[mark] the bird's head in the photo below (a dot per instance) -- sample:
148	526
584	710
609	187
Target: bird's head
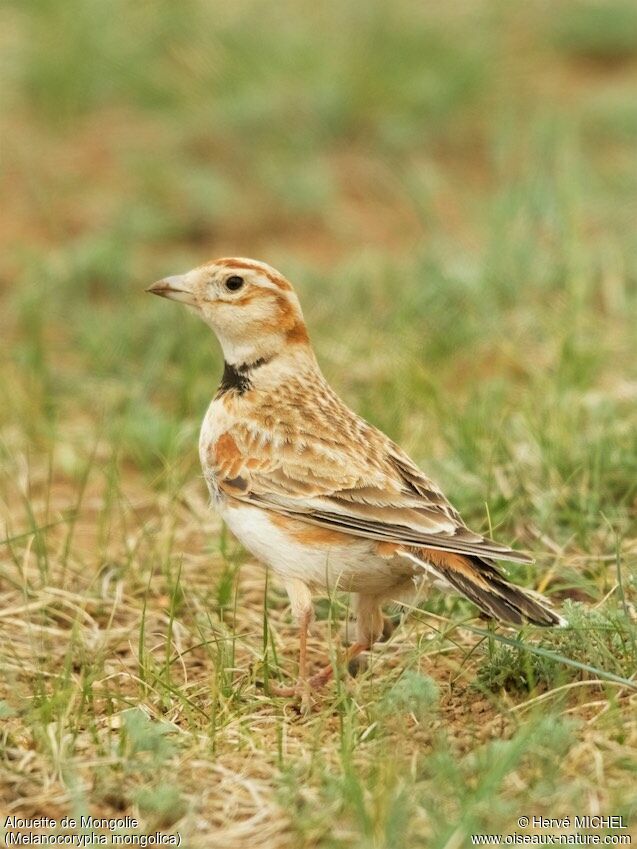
252	309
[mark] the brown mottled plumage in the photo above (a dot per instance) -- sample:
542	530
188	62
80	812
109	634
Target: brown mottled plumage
310	488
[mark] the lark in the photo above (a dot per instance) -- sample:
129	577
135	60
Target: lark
312	490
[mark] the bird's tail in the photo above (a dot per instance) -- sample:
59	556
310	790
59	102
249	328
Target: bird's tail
482	582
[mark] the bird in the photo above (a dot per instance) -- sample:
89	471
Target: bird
323	498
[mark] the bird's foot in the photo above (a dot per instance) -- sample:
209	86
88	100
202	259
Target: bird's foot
284	692
304	687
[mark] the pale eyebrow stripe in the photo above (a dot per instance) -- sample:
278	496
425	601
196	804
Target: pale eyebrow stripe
276	279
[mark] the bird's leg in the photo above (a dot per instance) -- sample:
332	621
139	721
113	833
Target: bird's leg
304	628
303	684
369	628
301	602
301	687
321	678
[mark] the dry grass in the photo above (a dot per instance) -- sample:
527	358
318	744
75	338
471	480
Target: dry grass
134	655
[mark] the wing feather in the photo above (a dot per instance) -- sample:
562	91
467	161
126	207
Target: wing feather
319	462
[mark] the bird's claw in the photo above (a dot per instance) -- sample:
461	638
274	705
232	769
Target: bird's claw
304	688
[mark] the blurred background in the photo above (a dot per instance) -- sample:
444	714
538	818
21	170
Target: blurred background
452	189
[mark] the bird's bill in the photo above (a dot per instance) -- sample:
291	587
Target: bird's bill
175	288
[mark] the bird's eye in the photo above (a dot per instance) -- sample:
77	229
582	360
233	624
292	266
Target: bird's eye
234	283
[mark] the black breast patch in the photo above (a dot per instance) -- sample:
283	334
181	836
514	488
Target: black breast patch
237	378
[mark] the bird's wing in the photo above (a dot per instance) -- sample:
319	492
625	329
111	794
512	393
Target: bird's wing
354	480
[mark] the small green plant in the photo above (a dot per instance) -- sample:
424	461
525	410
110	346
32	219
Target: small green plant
412	693
163	803
144	736
603	640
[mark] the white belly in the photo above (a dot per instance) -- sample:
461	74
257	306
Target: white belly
325	567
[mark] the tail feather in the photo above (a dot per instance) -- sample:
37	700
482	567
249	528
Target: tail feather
481	582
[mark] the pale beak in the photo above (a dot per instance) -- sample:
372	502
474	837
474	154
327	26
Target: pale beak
175	288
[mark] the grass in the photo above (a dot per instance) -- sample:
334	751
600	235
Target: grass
451	188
